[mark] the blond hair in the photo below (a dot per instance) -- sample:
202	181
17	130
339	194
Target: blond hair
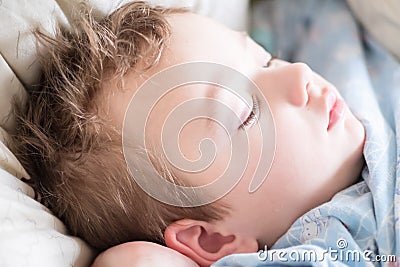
73	155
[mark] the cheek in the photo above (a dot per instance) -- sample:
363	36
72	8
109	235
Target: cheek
304	172
302	160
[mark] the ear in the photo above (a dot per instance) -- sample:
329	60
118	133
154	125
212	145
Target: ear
204	243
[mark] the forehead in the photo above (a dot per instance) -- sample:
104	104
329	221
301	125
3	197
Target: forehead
197	38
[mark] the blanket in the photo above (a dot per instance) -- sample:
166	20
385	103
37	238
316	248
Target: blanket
360	226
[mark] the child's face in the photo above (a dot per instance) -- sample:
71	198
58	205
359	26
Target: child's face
311	162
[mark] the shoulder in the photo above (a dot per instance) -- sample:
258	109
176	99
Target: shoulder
142	254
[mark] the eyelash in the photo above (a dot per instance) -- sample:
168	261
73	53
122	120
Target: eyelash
250	119
252	116
268	64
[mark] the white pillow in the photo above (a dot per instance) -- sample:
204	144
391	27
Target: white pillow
10	87
30	234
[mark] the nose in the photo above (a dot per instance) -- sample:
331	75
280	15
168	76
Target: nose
294	81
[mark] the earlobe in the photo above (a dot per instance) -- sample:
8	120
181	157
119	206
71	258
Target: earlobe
203	243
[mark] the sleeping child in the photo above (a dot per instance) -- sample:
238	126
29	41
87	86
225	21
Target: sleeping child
84	139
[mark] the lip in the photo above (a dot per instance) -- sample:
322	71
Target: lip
336	109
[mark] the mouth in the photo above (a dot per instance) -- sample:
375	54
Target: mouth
336	107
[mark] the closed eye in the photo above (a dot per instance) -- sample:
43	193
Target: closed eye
253	114
269	62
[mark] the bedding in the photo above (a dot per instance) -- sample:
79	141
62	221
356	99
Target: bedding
360	226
